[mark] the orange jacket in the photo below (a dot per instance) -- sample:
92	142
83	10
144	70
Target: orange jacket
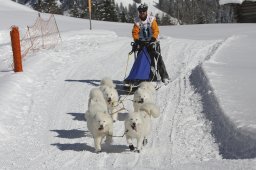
136	30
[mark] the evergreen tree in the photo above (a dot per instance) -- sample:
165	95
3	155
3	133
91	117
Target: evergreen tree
94	11
107	11
132	13
99	10
165	19
123	17
123	13
50	6
77	10
38	6
110	12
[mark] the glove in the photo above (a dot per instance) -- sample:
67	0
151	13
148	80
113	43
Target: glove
137	42
135	45
153	39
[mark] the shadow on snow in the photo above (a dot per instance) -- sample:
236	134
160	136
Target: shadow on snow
96	83
71	134
84	147
78	116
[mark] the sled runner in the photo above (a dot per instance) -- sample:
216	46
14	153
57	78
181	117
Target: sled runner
143	69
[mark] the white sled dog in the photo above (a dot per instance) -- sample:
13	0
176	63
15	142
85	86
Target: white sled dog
100	125
99	122
111	97
107	82
142	95
138	125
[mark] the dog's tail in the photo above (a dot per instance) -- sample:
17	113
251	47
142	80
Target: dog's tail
151	109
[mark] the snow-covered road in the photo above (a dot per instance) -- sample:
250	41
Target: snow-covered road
50	132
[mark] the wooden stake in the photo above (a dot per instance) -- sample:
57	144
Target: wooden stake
15	38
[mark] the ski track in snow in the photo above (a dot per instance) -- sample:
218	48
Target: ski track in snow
181	134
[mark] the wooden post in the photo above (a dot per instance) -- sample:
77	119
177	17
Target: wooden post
15	38
90	12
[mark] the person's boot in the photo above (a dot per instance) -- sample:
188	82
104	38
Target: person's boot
166	81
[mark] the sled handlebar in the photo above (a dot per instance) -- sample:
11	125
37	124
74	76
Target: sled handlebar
141	44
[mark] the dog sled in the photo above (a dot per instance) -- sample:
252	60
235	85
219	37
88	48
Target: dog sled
143	68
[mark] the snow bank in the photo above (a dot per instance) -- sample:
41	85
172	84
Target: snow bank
225	83
234	143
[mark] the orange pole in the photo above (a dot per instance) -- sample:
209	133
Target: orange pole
15	38
90	12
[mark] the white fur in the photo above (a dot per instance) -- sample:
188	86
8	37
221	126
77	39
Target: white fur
107	82
147	86
138	124
100	125
142	96
97	101
151	109
111	97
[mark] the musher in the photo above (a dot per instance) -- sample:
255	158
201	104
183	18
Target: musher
146	31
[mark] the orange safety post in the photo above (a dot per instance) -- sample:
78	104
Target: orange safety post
15	38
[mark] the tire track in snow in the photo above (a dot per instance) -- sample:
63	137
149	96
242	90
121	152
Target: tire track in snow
181	82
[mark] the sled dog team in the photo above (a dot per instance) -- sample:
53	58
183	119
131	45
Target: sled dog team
103	108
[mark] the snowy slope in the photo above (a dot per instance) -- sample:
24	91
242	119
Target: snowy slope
41	115
8	7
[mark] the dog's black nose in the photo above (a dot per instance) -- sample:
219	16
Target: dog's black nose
101	127
134	126
141	100
109	99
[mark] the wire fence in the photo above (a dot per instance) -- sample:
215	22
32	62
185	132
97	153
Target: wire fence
44	34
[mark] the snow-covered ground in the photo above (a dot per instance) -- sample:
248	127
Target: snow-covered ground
207	112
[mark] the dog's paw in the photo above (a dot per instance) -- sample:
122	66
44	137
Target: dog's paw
145	141
98	151
131	147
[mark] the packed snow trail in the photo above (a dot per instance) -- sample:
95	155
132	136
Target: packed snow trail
53	134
